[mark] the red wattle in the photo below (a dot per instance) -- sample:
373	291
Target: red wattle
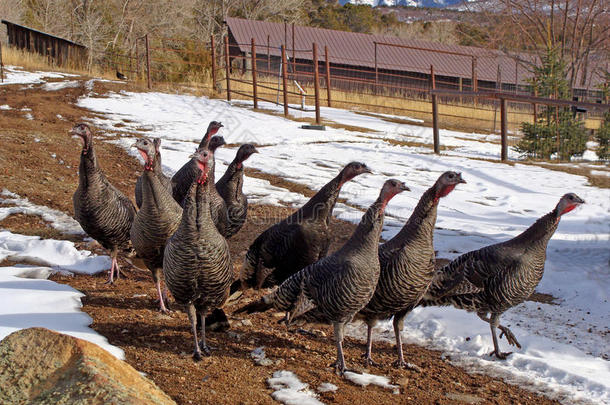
446	190
568	208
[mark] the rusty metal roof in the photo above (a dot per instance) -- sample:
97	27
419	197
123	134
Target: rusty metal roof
356	49
43	33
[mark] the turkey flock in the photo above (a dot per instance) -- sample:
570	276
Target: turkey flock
182	224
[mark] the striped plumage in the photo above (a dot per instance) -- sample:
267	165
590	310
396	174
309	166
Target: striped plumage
158	217
229	187
101	209
297	241
407	265
218	208
335	288
495	278
184	177
196	264
157	170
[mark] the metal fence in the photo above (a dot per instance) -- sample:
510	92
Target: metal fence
305	79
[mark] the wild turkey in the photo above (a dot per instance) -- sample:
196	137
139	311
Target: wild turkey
407	265
120	76
101	209
196	264
184	177
498	277
297	241
218	208
335	288
229	187
157	169
157	219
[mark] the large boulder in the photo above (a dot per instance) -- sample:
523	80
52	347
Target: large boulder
39	366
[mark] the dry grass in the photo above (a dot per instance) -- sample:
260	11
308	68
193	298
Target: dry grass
34	61
465	115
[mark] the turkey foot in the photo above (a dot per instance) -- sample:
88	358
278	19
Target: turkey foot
406	365
510	337
206	349
196	355
500	355
368	361
340	368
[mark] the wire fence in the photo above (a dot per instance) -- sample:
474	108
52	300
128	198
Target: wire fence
310	79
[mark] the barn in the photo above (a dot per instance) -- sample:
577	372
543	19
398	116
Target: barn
62	51
376	60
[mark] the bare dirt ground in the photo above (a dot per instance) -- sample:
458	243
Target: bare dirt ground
38	160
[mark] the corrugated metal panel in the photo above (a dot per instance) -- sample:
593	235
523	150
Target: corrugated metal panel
358	50
43	33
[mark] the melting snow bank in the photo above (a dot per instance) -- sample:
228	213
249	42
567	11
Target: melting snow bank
27	299
16	75
557	370
290	390
60	221
58	254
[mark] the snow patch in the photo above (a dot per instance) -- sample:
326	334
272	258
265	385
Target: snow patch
5	107
54	86
28	300
327	387
290	390
365	379
58	220
58	254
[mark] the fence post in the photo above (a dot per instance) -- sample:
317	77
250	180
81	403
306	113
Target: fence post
376	70
503	129
1	65
535	107
147	62
137	58
327	74
213	51
227	68
284	80
316	79
434	112
254	95
473	83
294	60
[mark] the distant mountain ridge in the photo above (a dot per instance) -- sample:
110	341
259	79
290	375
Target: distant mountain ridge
412	3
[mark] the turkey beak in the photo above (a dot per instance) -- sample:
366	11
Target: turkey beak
460	179
255	150
367	170
403	187
135	145
580	200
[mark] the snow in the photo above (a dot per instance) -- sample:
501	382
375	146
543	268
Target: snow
14	204
327	387
16	75
290	390
54	86
28	300
600	173
60	255
365	379
5	107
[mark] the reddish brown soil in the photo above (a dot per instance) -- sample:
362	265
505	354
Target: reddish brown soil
161	345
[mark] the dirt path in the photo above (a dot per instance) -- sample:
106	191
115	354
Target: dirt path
38	160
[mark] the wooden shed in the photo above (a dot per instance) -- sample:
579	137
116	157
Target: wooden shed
62	51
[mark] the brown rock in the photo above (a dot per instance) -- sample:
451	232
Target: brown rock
39	366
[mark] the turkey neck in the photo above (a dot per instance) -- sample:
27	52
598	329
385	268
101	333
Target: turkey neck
321	205
197	217
157	164
233	179
88	168
365	239
536	237
420	226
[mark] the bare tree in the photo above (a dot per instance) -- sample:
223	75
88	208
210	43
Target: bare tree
578	29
